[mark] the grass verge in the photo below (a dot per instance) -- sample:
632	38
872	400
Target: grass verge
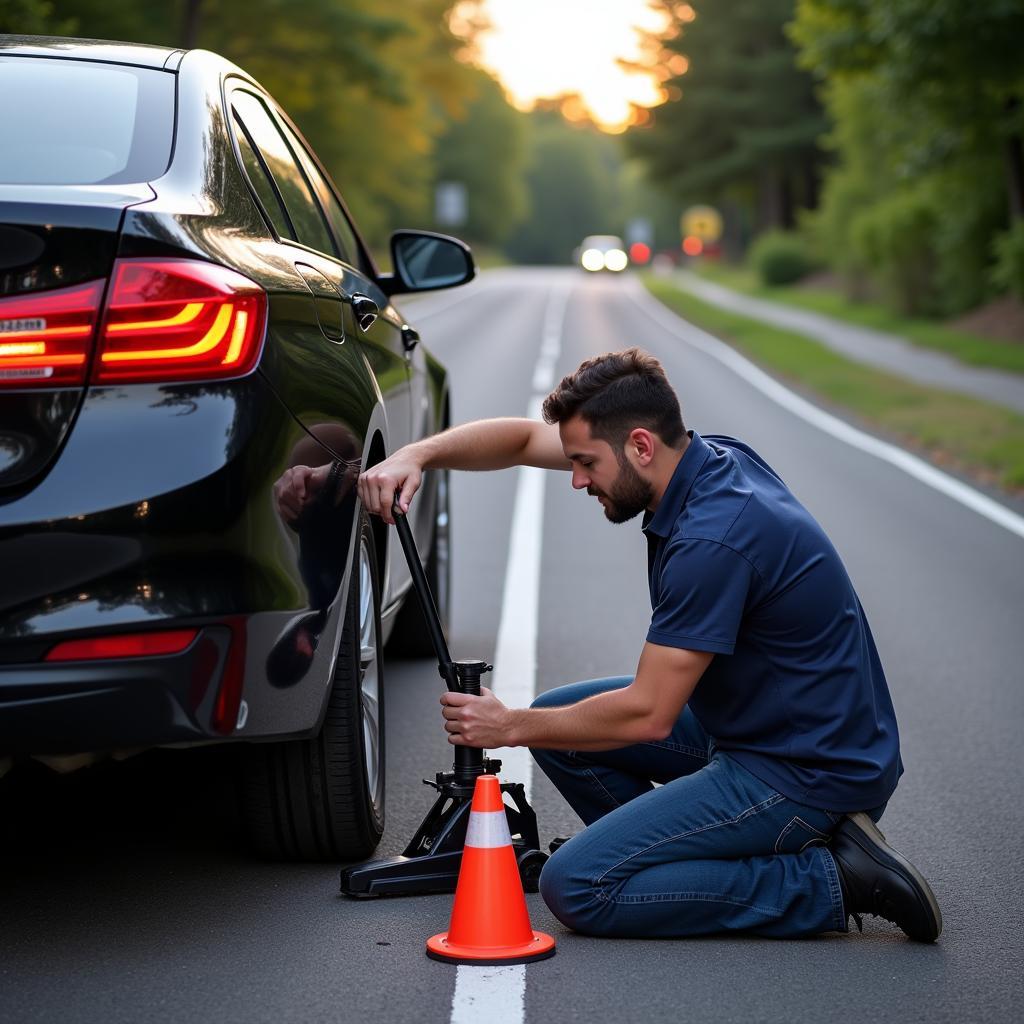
980	438
968	348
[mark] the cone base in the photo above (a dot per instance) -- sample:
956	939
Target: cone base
540	948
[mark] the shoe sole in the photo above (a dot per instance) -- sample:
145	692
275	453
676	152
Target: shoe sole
881	847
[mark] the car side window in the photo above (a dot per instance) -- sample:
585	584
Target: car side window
343	231
264	185
303	212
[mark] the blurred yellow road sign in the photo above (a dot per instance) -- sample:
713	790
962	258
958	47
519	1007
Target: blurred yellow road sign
703	222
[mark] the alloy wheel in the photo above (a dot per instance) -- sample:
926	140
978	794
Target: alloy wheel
369	678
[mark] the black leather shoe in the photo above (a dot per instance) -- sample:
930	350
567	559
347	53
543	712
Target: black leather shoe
878	880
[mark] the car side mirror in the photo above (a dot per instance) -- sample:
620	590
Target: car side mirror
425	261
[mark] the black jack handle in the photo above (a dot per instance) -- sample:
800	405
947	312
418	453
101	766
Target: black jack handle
431	860
445	665
460	676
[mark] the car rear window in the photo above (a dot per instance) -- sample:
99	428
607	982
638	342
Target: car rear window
73	122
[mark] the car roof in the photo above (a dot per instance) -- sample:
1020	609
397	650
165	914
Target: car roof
107	50
612	241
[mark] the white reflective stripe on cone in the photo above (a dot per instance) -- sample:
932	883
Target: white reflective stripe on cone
488	829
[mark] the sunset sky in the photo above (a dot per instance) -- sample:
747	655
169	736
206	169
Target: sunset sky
542	48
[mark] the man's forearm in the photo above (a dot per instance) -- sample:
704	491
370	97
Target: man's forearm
602	722
483	444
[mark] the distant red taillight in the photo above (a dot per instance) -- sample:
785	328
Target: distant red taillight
178	320
46	338
126	645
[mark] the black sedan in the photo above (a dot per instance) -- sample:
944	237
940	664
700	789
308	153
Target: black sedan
198	355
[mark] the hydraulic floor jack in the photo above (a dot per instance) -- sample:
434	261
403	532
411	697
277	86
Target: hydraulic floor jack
430	862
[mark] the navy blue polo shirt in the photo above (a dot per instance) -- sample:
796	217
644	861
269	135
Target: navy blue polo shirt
795	692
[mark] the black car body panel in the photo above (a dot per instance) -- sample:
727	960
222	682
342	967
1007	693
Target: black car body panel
107	51
151	505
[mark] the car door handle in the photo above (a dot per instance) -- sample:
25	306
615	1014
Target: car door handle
365	310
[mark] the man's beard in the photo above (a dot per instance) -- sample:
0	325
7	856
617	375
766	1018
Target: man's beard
629	495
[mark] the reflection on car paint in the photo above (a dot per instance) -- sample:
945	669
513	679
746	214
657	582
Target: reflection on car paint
326	502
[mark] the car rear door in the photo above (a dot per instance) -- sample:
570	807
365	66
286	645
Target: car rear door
325	253
389	343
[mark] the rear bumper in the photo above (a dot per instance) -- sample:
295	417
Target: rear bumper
245	677
76	707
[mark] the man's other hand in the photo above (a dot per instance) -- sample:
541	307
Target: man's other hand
473	721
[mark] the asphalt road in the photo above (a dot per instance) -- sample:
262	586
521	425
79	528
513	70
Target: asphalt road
124	895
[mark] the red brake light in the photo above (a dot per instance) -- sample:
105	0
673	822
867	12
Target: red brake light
639	252
46	337
127	645
179	320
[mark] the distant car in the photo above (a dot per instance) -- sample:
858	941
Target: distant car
603	252
187	316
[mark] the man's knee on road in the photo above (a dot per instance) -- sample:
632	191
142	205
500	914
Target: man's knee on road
570	895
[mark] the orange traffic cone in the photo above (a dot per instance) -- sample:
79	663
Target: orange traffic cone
490	923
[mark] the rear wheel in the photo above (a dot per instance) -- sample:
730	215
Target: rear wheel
323	798
411	638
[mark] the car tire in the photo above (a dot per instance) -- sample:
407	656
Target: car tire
322	799
410	637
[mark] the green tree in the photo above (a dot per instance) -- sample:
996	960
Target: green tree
32	17
485	150
573	184
925	96
954	66
741	120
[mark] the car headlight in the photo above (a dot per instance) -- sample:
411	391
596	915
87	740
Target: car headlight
615	259
592	259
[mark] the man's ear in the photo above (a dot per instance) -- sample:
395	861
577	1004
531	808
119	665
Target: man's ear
640	446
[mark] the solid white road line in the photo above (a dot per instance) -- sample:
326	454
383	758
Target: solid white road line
497	995
489	995
839	429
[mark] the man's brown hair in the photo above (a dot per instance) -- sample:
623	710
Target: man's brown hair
616	393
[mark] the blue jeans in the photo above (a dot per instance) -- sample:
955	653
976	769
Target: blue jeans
712	849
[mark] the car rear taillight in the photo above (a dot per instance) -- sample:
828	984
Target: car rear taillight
46	337
165	320
125	645
179	320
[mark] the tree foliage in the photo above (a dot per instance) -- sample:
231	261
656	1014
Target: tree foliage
32	17
485	150
953	70
573	183
740	116
926	100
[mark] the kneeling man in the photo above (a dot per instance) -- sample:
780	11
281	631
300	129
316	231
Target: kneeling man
759	704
